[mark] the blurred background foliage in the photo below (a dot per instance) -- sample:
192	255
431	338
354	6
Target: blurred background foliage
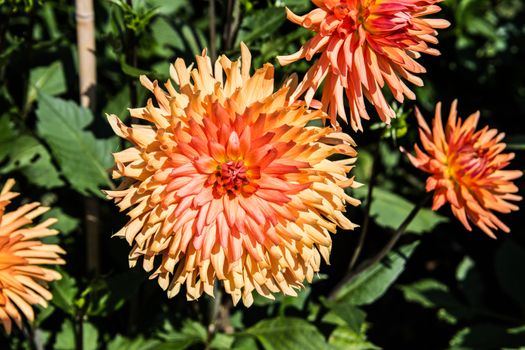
441	287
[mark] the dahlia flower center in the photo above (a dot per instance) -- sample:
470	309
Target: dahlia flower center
354	17
232	177
468	163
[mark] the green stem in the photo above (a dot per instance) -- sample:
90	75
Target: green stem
30	335
383	252
231	24
79	331
213	315
213	35
395	237
366	220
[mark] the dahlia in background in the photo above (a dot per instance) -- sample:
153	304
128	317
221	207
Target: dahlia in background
22	279
363	45
466	168
230	181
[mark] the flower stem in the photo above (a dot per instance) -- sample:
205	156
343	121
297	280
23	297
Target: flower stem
213	314
78	326
395	237
211	13
366	220
231	24
383	252
30	336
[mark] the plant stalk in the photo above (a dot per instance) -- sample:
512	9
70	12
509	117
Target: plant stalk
29	333
132	60
85	17
213	34
78	326
231	25
383	252
366	220
213	315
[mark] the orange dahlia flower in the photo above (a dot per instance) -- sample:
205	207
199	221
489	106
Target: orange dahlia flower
466	168
229	181
363	45
22	279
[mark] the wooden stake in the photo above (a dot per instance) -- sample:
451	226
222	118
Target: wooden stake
86	52
87	69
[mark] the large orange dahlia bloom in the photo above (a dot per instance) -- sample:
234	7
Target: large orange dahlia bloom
363	45
230	182
466	168
22	279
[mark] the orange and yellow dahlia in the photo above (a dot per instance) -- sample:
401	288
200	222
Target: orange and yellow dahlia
363	45
230	182
466	168
22	279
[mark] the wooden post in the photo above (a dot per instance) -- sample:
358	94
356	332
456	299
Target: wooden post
87	71
86	52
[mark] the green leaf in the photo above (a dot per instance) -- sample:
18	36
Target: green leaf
192	333
284	301
343	338
43	314
363	169
486	336
27	155
30	157
470	281
7	135
390	210
66	224
430	293
222	341
288	333
509	256
419	292
244	343
49	80
66	337
262	23
344	314
122	343
130	70
118	104
297	6
296	302
515	142
83	159
372	283
108	294
168	7
64	293
167	39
